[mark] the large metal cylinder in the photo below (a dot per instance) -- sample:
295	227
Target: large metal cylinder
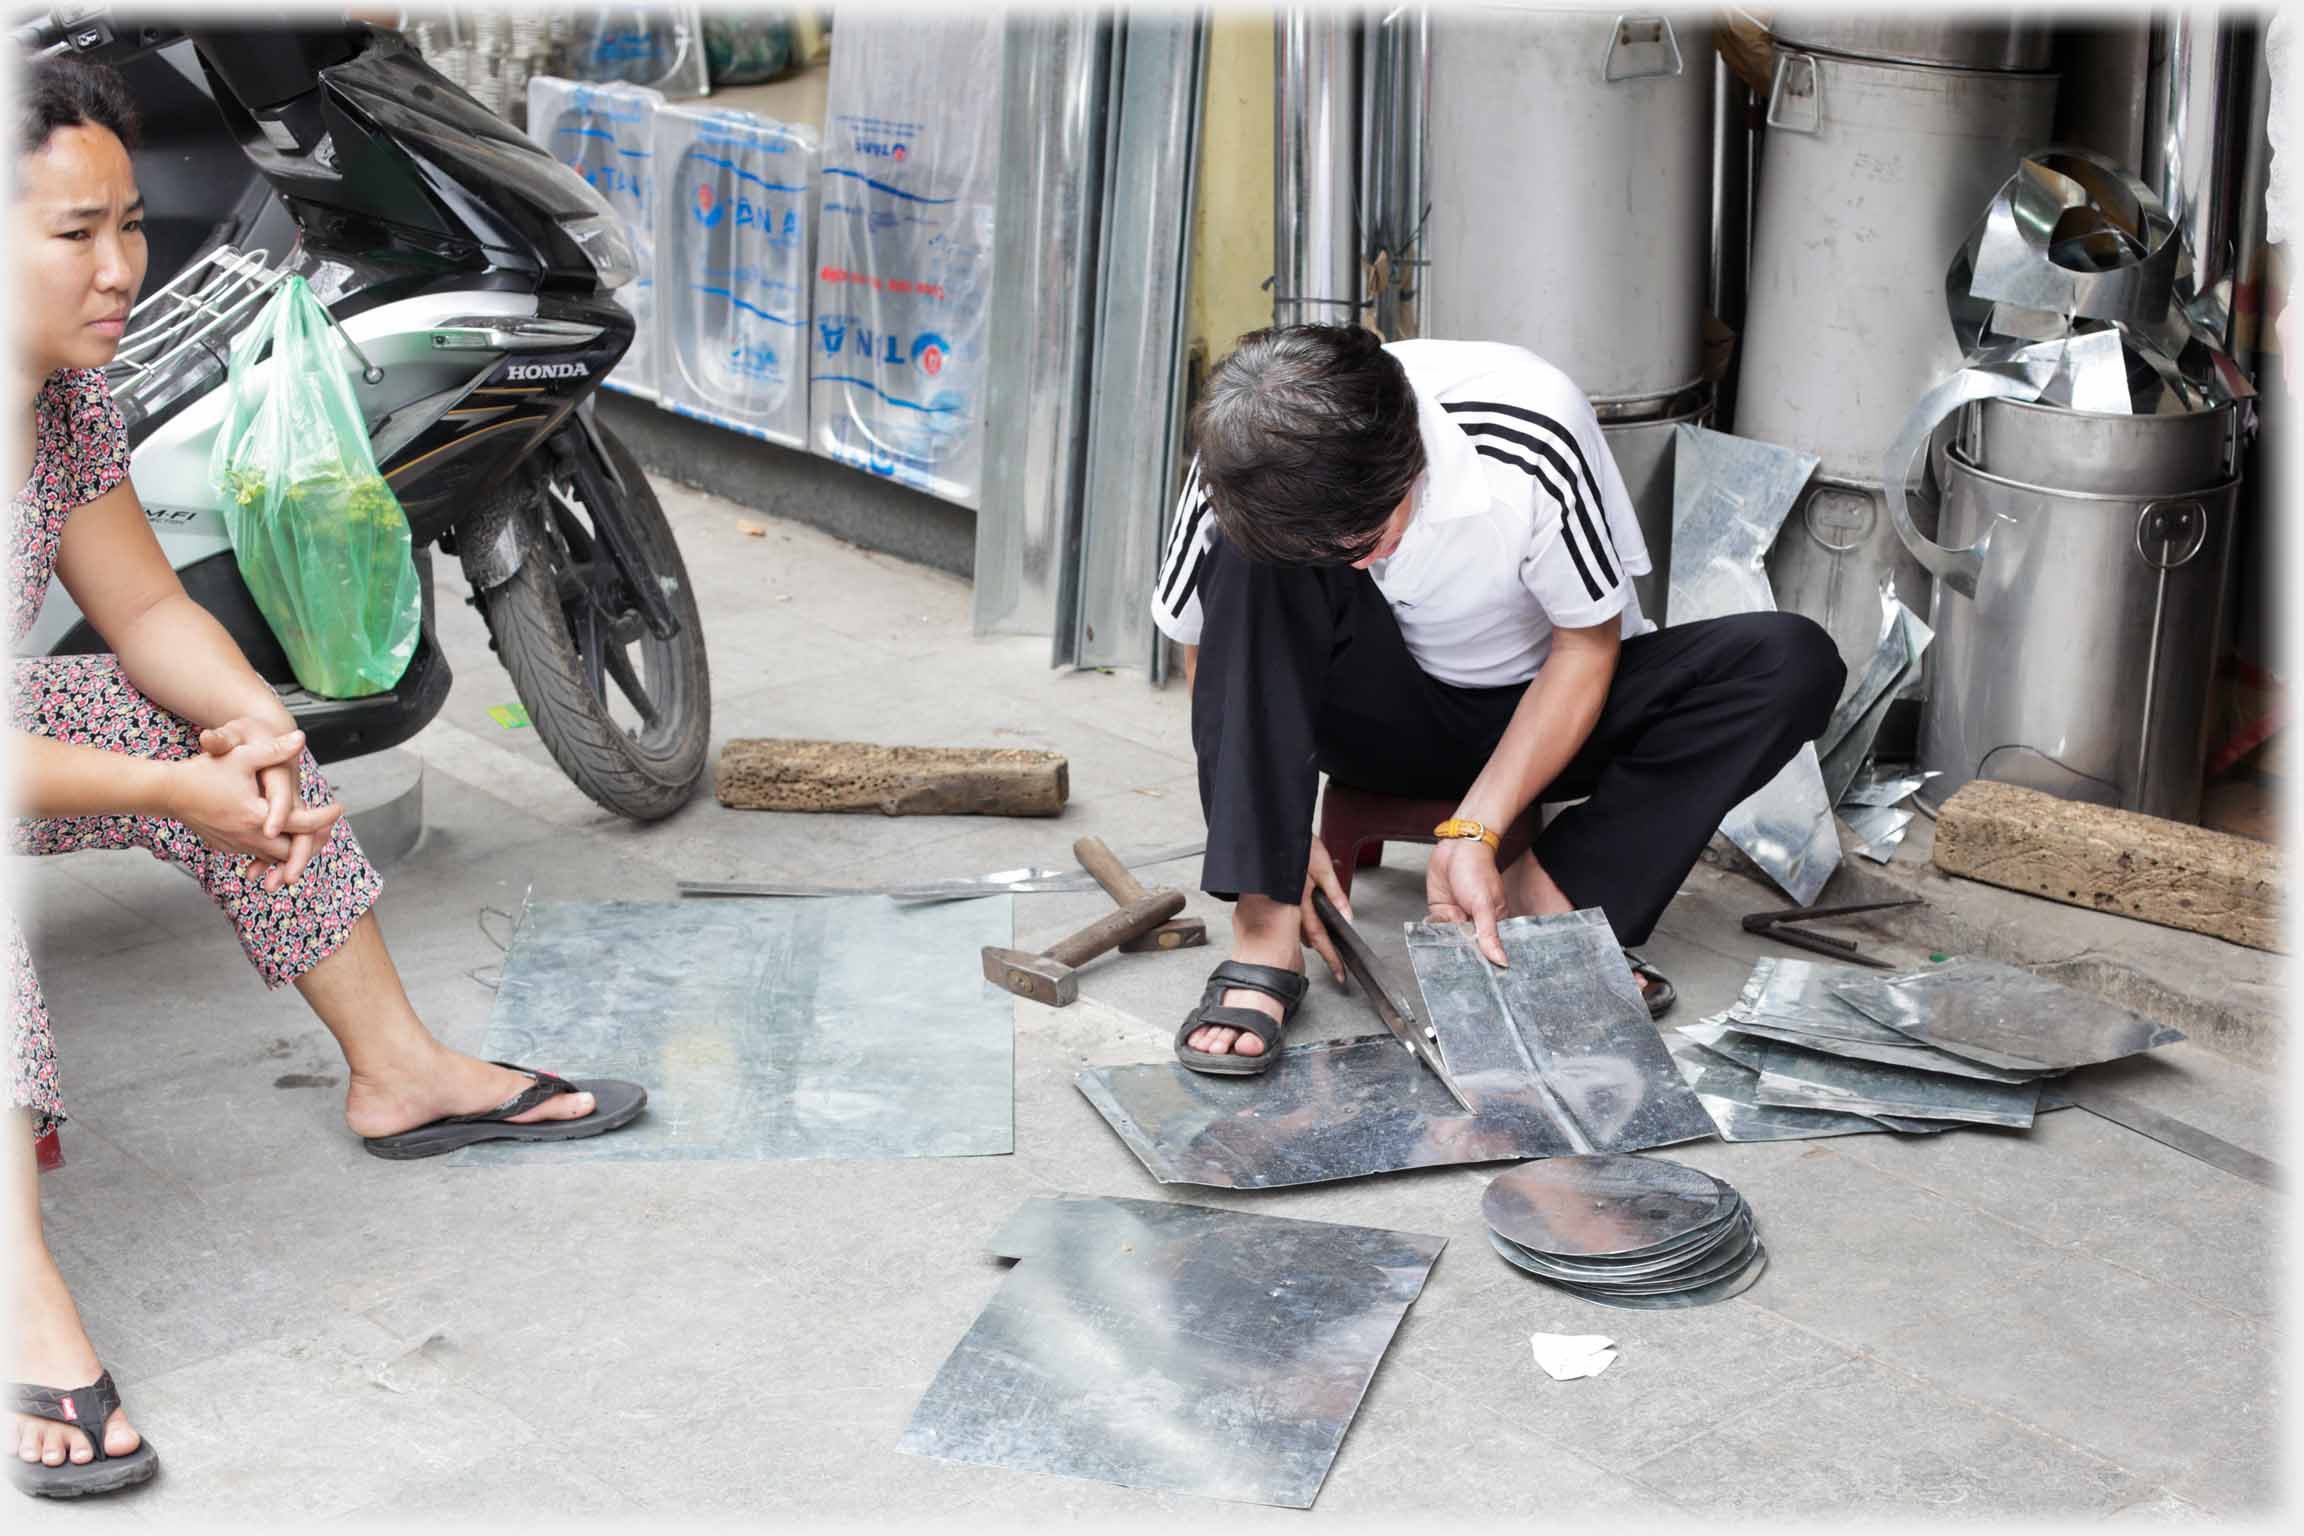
2081	665
1871	177
1316	115
1570	168
1959	40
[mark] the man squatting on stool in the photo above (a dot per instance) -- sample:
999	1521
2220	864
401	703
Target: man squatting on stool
1409	567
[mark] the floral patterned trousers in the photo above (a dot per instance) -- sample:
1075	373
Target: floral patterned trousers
87	700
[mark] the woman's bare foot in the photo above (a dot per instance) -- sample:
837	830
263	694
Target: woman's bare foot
52	1350
429	1082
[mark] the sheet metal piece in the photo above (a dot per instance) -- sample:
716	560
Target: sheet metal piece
1809	1079
1878	829
1211	1352
1393	1010
2004	1017
1719	1290
1730	495
1855	725
1729	1094
1560	1036
1793	1001
2185	1137
1034	879
1749	1054
1883	787
1330	1109
766	1030
1604	1205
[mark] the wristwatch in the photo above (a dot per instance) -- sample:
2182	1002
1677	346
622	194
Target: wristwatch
1463	826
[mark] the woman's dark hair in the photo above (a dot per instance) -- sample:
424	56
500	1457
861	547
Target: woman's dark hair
1307	440
64	92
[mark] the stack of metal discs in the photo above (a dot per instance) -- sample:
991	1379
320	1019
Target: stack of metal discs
1625	1231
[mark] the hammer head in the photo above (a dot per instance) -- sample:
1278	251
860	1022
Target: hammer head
1177	933
1029	975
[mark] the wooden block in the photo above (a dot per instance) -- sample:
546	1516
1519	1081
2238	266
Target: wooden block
2113	861
765	774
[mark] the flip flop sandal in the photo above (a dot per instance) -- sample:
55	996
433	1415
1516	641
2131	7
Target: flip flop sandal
1272	981
88	1409
614	1104
1660	995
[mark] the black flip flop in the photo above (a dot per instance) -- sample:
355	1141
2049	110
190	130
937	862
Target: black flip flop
1272	981
88	1409
614	1104
1659	997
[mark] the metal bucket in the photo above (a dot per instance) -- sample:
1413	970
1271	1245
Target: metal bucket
1956	41
1643	454
2081	666
1569	167
1871	178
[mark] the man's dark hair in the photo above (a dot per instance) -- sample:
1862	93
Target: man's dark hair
1307	441
64	92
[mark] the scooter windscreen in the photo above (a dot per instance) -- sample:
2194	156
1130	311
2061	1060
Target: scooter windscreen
493	164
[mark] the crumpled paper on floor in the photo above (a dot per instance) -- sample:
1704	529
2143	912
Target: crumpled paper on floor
1572	1356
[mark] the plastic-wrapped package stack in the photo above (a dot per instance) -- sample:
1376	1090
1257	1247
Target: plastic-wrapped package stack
658	46
607	133
491	52
734	228
900	350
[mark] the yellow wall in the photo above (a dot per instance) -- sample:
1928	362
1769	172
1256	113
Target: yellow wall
1232	226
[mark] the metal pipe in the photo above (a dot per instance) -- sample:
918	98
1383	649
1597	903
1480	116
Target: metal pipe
1391	166
1314	120
2251	131
1054	67
2195	162
1731	212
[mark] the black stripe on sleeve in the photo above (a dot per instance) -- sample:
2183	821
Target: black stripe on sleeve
1567	538
1567	437
1191	583
1190	534
1573	498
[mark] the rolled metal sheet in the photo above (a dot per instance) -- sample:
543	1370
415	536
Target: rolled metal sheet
1855	725
2003	1016
1560	1036
1217	1353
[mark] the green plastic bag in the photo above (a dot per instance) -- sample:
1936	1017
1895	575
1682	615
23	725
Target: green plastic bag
320	538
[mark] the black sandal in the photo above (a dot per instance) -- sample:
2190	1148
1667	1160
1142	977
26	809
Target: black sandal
88	1409
614	1104
1272	981
1659	997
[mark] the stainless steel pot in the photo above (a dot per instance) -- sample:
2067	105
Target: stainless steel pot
1643	454
1959	41
1570	172
1871	177
2081	665
2090	451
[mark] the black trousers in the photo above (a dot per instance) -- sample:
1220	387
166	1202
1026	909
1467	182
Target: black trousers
1303	671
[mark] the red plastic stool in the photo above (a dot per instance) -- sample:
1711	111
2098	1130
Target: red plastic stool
1355	824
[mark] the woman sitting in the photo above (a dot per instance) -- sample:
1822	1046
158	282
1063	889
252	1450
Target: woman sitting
173	744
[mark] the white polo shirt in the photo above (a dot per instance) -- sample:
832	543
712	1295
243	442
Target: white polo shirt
1521	522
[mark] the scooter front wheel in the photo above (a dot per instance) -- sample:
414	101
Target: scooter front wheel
624	711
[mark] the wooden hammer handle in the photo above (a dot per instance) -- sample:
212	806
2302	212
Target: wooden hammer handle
1110	873
1117	928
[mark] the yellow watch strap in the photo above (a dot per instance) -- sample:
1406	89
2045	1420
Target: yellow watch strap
1459	826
